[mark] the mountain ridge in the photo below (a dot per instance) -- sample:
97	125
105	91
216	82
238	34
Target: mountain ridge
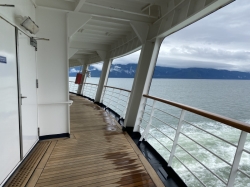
129	70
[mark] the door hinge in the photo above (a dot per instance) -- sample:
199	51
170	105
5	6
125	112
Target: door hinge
36	83
38	131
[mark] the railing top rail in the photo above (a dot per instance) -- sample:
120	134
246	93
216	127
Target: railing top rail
90	84
118	88
74	82
228	121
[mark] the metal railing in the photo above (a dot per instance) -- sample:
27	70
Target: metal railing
89	90
197	149
73	87
116	99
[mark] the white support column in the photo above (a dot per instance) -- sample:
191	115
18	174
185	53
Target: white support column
80	87
142	82
103	79
85	79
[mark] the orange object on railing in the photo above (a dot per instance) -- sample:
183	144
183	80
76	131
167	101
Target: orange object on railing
78	78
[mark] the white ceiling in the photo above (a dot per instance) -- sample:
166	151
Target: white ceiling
110	27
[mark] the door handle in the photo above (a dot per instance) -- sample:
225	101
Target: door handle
22	97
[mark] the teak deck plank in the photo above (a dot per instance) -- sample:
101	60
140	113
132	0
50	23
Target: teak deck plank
98	153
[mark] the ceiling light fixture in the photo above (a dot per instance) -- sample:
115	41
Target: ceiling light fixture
30	25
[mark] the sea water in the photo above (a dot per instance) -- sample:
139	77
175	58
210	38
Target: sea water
230	98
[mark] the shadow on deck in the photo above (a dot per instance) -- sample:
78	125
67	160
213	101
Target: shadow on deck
98	153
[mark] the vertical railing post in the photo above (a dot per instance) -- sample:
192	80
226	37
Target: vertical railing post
237	157
111	95
176	138
72	87
75	86
118	99
103	94
83	88
86	89
89	88
126	107
145	132
92	92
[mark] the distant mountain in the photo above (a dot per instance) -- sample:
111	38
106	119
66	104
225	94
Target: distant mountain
128	71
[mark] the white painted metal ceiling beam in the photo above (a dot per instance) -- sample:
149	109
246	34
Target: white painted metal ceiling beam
183	14
89	46
72	52
141	30
102	54
79	4
76	21
95	11
118	9
86	52
85	38
97	36
122	26
77	62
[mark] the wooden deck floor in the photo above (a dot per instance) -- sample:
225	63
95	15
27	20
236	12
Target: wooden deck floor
97	154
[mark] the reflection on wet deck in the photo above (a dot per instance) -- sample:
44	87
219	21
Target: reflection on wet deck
97	154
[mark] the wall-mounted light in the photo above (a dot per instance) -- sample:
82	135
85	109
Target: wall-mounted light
30	25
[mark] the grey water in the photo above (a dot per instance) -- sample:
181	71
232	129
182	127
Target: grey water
230	98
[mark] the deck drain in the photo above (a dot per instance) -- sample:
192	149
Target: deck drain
25	171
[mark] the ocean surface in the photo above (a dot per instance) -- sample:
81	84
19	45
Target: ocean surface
230	98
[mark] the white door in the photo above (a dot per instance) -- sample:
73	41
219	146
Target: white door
27	66
9	113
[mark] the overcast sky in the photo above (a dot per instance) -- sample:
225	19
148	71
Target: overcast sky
220	40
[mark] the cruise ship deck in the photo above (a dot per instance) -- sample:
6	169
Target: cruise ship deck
98	153
46	141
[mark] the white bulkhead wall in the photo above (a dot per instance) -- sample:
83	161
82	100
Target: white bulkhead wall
10	124
52	69
52	63
9	113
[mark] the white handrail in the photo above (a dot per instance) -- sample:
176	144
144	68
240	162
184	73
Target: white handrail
227	121
116	97
89	90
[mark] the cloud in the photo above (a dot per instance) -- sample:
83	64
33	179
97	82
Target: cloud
73	70
128	59
220	40
97	66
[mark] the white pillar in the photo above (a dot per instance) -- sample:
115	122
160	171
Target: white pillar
142	82
103	79
80	87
